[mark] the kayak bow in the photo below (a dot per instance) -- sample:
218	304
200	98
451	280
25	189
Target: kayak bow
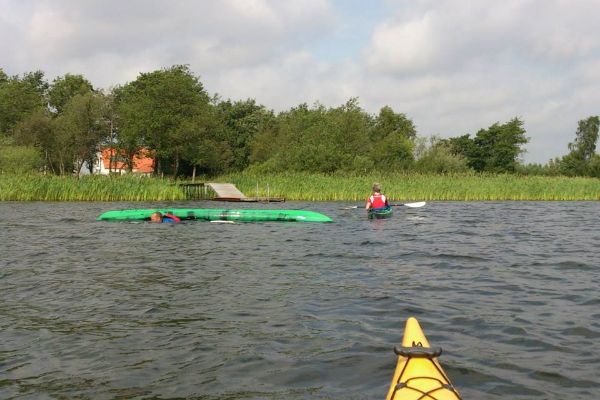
418	373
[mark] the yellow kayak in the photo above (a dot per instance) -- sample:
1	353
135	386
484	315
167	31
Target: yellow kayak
419	375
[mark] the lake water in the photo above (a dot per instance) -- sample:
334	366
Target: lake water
101	310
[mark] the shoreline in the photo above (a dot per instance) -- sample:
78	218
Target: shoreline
307	187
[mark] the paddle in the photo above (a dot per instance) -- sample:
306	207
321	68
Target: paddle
411	205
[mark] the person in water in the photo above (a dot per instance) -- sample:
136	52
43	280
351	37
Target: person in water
159	217
376	200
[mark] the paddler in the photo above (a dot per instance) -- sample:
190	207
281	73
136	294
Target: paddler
376	200
159	217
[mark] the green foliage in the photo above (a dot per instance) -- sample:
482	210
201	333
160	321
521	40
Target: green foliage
594	166
573	165
392	136
495	149
15	159
238	125
304	186
168	112
550	169
87	188
498	147
346	136
20	96
461	145
3	77
404	187
437	157
155	111
326	140
394	152
584	146
263	145
388	122
83	123
64	88
581	160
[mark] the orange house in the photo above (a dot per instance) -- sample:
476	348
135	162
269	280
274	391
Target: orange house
143	162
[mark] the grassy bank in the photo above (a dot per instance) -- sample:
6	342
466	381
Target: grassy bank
399	187
311	187
87	188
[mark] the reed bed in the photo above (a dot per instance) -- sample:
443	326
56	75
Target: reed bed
307	187
87	188
414	187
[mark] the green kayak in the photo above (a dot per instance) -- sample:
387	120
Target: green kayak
380	213
212	214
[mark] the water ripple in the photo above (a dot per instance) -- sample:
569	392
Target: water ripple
252	311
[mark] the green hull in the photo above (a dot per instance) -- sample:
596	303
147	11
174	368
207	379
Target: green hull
380	213
211	214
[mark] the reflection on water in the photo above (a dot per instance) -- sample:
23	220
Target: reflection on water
284	310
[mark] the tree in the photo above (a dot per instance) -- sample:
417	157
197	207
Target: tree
594	166
36	131
240	122
393	152
3	77
349	125
201	148
84	122
287	144
65	88
19	97
578	162
461	145
584	145
495	149
154	108
582	150
437	157
388	122
392	139
265	145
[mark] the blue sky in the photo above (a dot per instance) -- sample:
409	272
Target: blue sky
354	24
451	66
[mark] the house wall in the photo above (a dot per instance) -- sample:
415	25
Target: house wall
142	165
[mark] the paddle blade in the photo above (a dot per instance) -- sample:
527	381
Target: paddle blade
415	205
411	205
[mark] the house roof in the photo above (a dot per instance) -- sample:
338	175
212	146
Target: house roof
143	161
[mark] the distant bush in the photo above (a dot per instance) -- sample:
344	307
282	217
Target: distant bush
18	159
436	157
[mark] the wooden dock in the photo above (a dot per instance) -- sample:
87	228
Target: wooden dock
224	192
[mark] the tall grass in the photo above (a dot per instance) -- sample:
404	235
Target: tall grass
409	187
87	188
304	186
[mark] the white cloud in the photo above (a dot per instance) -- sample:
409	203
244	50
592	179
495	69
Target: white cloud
399	48
211	35
456	67
442	34
452	66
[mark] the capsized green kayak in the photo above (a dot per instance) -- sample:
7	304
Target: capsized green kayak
214	214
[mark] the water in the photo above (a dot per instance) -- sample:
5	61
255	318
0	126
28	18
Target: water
100	310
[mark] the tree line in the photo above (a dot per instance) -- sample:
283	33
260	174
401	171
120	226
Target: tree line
59	126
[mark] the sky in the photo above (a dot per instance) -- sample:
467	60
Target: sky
451	66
